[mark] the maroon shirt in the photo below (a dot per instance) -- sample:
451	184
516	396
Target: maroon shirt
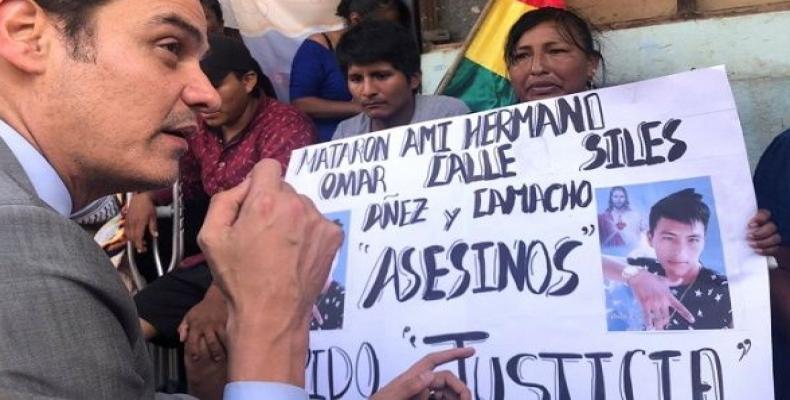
209	166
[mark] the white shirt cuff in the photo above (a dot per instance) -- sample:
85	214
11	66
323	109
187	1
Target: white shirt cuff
255	390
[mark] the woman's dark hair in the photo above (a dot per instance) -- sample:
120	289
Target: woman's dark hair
77	26
265	85
262	86
570	26
370	42
367	8
214	7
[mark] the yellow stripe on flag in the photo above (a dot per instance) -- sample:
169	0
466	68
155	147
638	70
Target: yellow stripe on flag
487	47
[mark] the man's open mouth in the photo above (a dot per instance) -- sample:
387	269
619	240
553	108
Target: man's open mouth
182	132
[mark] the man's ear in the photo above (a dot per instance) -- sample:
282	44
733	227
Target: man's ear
415	80
250	79
592	66
23	40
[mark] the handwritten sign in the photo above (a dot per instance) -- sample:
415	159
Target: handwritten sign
533	233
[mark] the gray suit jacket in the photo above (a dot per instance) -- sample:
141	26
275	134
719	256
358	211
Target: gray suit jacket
69	329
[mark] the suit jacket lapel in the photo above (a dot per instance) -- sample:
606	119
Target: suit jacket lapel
11	167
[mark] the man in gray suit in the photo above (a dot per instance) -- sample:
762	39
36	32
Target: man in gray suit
96	97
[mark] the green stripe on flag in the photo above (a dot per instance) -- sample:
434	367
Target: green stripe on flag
479	88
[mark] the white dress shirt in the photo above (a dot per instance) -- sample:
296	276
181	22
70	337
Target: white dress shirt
51	189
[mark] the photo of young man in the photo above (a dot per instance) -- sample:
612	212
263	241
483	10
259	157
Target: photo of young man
673	288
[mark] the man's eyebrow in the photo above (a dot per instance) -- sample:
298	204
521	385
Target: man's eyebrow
180	23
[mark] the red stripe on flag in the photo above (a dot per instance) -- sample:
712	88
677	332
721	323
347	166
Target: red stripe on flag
545	3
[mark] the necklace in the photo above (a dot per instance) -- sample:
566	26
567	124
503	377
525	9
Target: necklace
683	296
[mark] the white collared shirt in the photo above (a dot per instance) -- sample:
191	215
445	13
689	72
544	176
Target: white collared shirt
51	189
46	181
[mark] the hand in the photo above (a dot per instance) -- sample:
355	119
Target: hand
118	241
421	382
114	246
140	215
205	378
652	292
269	249
205	322
764	236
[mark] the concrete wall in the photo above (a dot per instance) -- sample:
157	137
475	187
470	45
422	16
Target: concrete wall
754	47
458	16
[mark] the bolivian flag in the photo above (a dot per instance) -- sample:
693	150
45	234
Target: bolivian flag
480	77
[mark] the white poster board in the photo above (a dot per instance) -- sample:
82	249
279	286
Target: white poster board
488	229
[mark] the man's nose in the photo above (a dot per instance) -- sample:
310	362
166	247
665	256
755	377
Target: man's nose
682	253
538	65
200	95
369	87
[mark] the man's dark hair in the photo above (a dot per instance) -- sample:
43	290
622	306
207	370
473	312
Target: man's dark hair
76	21
570	26
685	206
214	7
379	41
368	8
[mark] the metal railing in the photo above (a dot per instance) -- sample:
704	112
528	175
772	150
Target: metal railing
167	364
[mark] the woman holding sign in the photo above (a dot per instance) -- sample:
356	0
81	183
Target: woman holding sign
551	52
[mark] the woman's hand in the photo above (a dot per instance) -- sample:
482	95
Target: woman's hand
763	234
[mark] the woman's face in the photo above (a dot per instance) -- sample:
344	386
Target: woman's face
545	64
